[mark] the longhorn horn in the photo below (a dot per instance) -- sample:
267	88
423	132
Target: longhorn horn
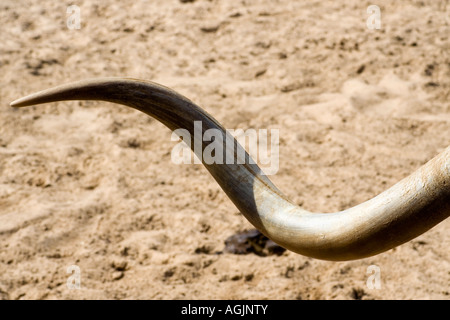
409	208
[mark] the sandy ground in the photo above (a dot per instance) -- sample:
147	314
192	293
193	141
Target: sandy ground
92	184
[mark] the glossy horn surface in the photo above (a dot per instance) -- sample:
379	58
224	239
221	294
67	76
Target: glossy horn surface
399	214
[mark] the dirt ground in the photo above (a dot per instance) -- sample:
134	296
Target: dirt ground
92	184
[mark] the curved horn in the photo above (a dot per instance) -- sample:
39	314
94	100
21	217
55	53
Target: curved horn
399	214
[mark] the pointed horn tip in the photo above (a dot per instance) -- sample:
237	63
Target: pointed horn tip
22	102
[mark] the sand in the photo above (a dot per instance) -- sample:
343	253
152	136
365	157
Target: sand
92	184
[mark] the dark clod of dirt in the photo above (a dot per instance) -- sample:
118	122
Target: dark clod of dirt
429	70
203	249
357	293
361	69
252	241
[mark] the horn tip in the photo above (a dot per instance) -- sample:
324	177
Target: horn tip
18	103
22	102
